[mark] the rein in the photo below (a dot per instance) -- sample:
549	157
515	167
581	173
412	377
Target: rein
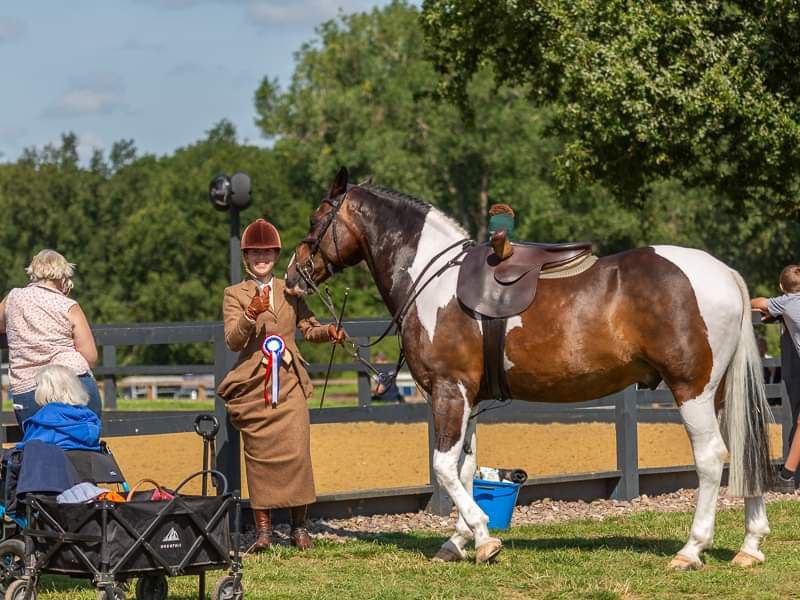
306	272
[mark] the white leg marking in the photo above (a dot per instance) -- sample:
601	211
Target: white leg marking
446	466
709	453
463	534
756	526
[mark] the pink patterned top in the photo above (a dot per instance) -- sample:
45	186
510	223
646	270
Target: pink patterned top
39	333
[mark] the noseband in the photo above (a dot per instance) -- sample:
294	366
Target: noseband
306	270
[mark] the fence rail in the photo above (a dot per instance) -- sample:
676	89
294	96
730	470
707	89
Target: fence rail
626	409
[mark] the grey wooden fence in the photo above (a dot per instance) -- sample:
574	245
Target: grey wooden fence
626	409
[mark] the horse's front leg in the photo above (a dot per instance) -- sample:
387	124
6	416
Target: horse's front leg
454	548
451	410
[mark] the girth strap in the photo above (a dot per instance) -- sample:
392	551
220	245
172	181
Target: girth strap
494	346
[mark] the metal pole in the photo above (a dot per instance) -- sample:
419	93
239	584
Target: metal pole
235	251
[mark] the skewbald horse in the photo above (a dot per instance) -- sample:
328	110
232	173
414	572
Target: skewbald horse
641	316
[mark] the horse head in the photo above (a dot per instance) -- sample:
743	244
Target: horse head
332	242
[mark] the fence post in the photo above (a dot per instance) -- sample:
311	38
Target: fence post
110	380
627	409
228	444
364	381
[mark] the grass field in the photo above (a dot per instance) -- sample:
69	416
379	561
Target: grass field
337	394
617	558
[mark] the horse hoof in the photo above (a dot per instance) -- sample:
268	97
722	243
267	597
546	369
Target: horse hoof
684	563
488	551
743	559
446	555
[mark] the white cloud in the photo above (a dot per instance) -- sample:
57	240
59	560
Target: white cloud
12	29
99	93
83	102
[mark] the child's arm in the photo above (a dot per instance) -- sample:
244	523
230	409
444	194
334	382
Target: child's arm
759	304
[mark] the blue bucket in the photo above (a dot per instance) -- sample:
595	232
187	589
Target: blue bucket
497	500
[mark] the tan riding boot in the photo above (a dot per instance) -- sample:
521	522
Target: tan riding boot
300	536
263	520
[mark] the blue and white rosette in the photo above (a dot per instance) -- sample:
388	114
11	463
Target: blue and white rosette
273	348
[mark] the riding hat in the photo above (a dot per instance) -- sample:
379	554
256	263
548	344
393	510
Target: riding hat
260	234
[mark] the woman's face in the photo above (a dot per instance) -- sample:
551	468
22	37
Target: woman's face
261	262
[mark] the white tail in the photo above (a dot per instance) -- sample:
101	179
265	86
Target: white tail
746	415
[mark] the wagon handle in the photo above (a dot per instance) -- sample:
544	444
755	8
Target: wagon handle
142	481
214	472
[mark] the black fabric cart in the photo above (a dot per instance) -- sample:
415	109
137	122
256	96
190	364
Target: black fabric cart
111	543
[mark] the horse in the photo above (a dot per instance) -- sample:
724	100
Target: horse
646	315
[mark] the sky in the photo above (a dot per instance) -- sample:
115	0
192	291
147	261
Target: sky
160	72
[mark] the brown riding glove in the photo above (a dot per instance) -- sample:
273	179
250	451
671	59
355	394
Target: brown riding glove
258	304
337	336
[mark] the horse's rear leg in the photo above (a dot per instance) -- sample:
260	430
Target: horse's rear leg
756	528
451	410
453	549
709	451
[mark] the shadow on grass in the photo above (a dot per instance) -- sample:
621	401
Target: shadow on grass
429	543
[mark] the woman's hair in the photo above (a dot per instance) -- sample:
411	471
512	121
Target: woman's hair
55	383
49	265
790	279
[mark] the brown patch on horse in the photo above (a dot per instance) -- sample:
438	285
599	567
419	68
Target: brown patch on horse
593	334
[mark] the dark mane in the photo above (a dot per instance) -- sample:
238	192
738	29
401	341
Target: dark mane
385	193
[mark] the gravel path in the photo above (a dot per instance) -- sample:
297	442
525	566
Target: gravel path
542	511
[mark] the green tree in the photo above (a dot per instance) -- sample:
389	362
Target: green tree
703	91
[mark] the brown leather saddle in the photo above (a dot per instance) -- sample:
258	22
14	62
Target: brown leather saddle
504	288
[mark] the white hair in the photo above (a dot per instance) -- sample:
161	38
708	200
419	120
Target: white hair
56	383
49	265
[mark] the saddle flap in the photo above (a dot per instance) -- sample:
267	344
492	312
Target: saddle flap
507	272
480	291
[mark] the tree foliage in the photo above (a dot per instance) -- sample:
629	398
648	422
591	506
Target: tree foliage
703	91
149	246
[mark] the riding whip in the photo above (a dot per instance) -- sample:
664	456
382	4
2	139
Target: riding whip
333	348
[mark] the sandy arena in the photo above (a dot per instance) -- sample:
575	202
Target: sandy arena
359	456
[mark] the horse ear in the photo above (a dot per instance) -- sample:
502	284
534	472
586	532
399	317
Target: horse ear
339	185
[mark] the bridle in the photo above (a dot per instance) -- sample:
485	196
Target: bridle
306	270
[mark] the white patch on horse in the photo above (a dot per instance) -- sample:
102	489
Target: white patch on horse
445	464
511	323
718	298
438	232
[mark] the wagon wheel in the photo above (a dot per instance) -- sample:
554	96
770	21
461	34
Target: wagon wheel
12	562
152	587
227	588
111	593
16	590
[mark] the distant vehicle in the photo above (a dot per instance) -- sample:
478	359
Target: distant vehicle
191	393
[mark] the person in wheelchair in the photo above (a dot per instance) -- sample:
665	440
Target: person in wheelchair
64	418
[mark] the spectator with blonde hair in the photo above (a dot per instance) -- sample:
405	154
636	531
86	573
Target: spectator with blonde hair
44	326
64	418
